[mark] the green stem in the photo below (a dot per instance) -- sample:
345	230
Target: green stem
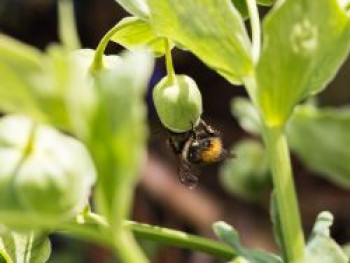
67	26
291	231
180	239
97	63
255	26
94	228
169	62
130	251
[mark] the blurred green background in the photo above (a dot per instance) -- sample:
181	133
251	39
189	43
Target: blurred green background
160	199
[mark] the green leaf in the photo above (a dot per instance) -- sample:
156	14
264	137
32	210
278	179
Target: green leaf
241	6
319	138
117	136
34	83
346	249
247	175
138	8
45	86
266	2
23	247
309	126
213	32
134	32
246	114
18	63
321	247
229	235
305	42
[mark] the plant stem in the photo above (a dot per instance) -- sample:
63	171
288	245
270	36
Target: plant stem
97	63
68	32
180	239
129	252
169	62
94	228
291	231
255	26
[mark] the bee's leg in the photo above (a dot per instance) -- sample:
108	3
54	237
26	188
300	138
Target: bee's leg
208	129
193	132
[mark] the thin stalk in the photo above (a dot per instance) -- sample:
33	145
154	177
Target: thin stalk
97	63
67	25
169	62
180	239
255	26
292	234
94	228
130	251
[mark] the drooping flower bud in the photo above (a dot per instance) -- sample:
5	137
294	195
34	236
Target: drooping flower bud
178	104
45	176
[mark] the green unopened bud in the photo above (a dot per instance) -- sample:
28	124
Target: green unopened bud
178	104
45	176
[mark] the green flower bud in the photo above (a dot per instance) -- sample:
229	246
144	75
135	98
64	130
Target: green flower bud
45	176
179	105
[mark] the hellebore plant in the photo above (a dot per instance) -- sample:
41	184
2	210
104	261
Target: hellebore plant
77	117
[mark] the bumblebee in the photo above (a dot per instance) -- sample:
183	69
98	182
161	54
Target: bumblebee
199	146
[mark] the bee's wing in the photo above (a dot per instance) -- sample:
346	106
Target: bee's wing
186	176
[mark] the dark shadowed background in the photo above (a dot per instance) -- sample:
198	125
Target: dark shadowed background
159	198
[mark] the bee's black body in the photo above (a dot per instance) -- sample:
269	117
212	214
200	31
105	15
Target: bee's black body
200	145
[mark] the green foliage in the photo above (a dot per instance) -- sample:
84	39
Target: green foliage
134	32
43	85
100	100
346	249
138	8
246	175
229	235
18	63
117	136
24	247
307	41
266	2
241	6
309	126
321	247
213	32
247	115
318	136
